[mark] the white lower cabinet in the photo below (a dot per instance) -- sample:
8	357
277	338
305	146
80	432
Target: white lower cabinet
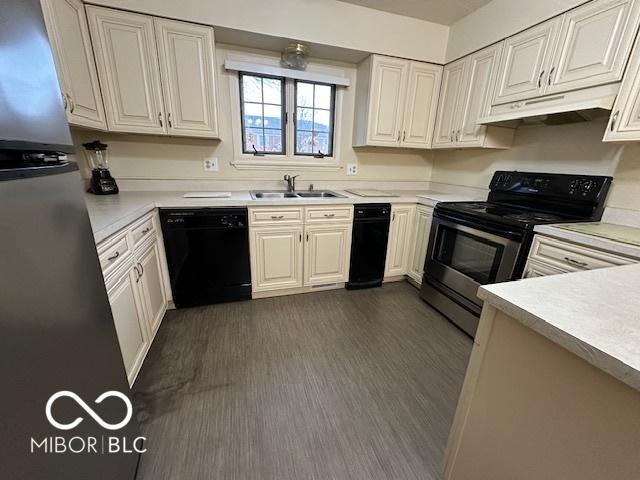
398	246
137	288
327	253
420	242
276	257
128	317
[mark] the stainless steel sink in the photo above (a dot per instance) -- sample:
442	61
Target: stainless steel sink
272	195
276	194
320	194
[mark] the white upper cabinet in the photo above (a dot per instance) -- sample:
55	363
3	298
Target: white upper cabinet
395	102
467	92
187	65
446	120
596	39
524	62
71	45
127	60
421	104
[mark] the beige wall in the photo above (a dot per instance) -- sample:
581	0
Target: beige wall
326	22
575	148
156	157
499	19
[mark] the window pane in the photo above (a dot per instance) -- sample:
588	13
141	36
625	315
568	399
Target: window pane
252	115
323	97
273	140
253	136
304	120
321	120
251	89
304	142
272	116
304	94
321	143
272	91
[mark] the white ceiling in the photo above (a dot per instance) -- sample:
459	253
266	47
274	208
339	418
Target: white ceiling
445	12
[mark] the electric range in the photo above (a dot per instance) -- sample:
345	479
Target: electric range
479	243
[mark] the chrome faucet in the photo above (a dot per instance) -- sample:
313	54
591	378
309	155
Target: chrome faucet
291	182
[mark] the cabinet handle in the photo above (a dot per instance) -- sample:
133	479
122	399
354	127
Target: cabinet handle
393	217
169	120
160	119
550	75
146	230
113	257
72	103
398	135
575	262
300	238
404	135
135	268
64	101
540	79
277	217
614	119
141	269
329	215
307	238
458	136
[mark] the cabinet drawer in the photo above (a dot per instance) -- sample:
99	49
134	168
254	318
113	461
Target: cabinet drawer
113	253
572	257
142	230
537	269
329	214
275	216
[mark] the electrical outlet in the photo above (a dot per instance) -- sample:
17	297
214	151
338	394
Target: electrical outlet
352	169
210	164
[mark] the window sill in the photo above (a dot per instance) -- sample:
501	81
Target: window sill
273	162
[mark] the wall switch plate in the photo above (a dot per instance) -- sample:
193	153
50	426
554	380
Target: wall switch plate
210	164
352	168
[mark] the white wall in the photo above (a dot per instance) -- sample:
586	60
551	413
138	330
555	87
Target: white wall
576	148
327	22
137	157
499	19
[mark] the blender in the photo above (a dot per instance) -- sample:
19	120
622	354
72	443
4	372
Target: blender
102	183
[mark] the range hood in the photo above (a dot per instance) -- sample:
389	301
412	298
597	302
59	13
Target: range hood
567	107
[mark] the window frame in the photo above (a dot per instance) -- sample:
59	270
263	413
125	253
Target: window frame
283	108
332	118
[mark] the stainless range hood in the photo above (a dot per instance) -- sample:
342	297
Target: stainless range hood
569	107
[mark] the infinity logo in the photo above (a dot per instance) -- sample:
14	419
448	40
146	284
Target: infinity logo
89	410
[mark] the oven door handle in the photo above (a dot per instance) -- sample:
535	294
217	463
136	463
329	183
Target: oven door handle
478	232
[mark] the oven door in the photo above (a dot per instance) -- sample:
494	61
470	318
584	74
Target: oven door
462	258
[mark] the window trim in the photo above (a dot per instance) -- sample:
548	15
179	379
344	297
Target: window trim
332	118
243	161
283	109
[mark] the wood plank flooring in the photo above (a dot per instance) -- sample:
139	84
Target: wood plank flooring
329	385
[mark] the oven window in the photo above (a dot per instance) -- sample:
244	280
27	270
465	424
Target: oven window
472	256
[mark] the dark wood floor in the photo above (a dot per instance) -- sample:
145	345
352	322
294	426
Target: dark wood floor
329	385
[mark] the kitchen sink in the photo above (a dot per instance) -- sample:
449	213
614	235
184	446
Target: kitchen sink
276	194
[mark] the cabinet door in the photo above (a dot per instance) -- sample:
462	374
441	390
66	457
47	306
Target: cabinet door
449	107
187	66
477	95
127	61
326	254
594	45
420	242
423	87
276	258
399	238
386	100
71	45
525	62
624	124
152	283
128	317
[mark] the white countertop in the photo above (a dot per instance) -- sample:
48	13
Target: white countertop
594	240
110	213
594	314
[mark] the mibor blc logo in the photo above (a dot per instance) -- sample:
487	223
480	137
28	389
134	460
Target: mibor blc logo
98	445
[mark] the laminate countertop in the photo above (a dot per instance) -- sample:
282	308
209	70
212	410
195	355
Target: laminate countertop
594	314
110	213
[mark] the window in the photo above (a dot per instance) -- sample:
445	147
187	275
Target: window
262	107
267	103
314	106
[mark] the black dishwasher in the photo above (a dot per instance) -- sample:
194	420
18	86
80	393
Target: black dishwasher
207	254
369	245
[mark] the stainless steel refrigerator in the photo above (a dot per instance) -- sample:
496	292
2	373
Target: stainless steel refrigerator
56	328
